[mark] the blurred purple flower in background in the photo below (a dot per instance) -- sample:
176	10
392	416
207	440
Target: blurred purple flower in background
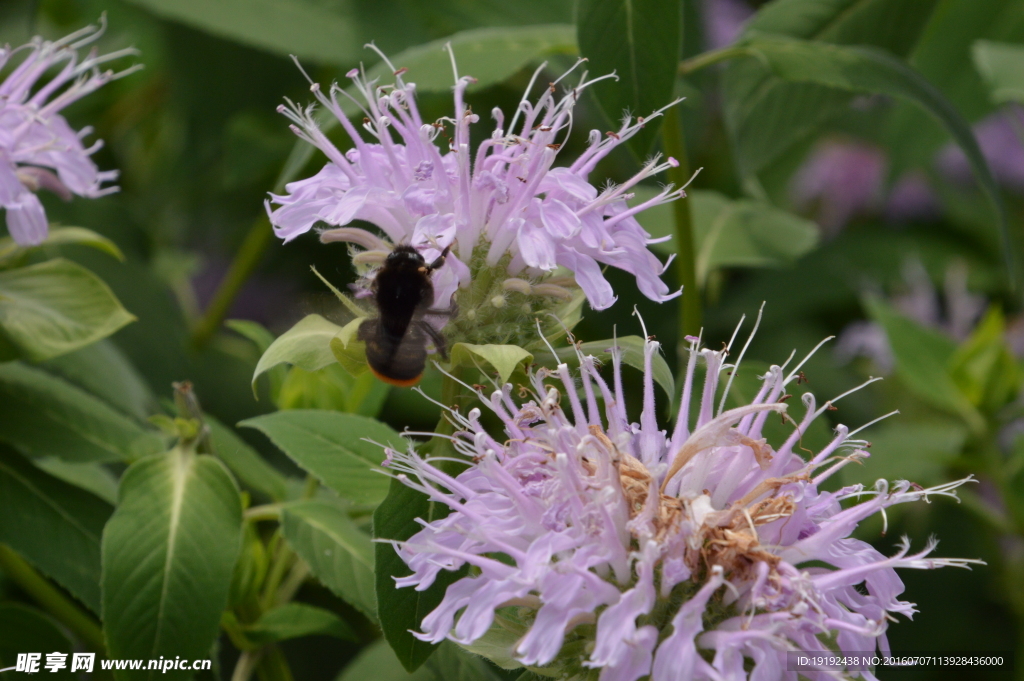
954	311
843	179
838	181
723	21
912	198
706	553
999	136
503	206
38	149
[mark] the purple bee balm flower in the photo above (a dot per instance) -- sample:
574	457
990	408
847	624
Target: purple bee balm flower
502	205
601	548
38	149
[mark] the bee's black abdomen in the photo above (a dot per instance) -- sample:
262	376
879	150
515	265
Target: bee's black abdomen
396	361
396	346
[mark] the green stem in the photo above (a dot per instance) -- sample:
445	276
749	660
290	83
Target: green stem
233	628
282	563
52	600
705	59
686	255
309	489
273	666
242	267
246	665
264	512
291	585
255	244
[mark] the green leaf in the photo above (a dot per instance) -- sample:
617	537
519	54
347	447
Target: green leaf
1013	474
335	32
402	610
295	620
168	555
332	387
943	57
333	447
103	370
766	115
378	662
306	28
870	71
55	307
306	345
922	357
1002	65
632	348
337	552
91	476
349	350
733	232
60	236
46	416
351	305
984	367
262	339
890	24
24	629
490	55
254	331
499	643
640	40
452	663
245	462
504	358
53	525
746	233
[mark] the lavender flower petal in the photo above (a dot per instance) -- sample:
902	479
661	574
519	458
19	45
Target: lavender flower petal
38	149
612	527
505	199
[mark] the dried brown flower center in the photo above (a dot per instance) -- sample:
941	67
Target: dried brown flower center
728	537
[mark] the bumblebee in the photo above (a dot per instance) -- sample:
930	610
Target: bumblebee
396	340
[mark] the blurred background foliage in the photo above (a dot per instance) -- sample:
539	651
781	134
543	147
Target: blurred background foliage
849	214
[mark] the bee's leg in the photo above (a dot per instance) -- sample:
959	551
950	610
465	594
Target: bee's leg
440	259
436	337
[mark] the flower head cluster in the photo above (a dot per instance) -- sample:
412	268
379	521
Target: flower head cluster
38	149
601	548
503	206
